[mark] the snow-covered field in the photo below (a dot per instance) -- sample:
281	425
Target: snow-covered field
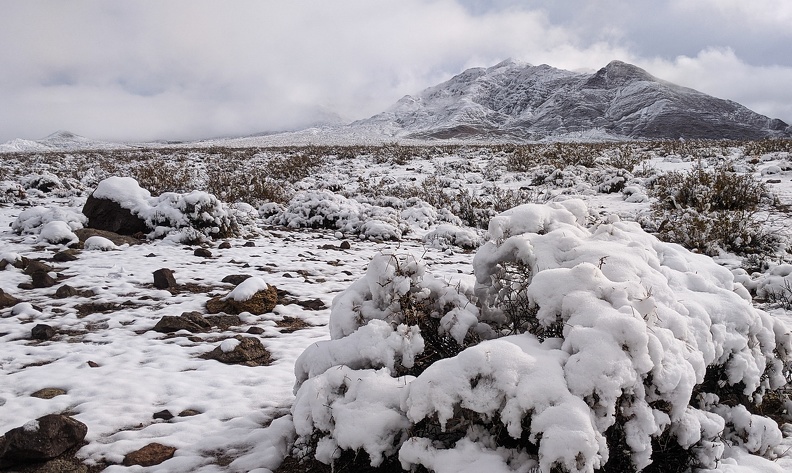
586	336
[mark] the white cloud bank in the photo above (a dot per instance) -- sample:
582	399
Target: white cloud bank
194	69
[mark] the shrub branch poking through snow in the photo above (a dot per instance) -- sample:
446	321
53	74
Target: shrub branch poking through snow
621	351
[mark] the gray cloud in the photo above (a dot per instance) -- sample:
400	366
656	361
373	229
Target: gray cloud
195	69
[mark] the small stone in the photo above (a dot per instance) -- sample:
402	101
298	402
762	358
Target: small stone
150	455
235	279
3	264
249	352
7	300
255	330
65	291
189	413
42	279
163	279
203	253
35	266
313	304
345	245
164	415
42	332
260	303
224	245
190	321
48	393
250	244
93	364
65	256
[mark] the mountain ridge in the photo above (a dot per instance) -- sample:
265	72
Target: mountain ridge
526	102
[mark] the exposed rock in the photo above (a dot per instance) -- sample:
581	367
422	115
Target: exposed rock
35	266
42	332
190	321
313	304
345	245
164	415
255	330
189	413
65	291
117	239
66	255
163	279
249	352
223	322
150	455
48	393
224	245
7	300
3	264
260	303
203	252
105	214
250	244
93	364
43	439
235	279
42	280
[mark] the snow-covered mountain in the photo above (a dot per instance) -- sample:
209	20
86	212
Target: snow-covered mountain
514	100
59	141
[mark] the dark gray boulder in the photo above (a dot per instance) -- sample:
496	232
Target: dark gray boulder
105	214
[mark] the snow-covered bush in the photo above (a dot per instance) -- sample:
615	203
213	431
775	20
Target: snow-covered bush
712	210
325	209
31	220
604	349
452	235
44	182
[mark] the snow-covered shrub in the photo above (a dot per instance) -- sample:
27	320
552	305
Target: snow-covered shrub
378	326
44	182
629	352
196	210
712	210
446	235
11	191
325	209
31	220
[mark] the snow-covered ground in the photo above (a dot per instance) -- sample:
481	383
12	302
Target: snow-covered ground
117	372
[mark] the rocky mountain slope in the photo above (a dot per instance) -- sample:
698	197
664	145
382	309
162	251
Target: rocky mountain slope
521	101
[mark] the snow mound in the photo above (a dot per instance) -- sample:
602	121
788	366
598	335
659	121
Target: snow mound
99	243
588	344
57	232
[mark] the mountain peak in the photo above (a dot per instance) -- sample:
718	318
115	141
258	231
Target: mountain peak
516	101
618	73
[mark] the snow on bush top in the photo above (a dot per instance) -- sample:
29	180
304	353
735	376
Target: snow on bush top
618	340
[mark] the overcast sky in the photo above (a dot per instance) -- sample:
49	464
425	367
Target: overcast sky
171	69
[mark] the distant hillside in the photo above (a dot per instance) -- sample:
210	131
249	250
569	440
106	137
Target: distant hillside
525	102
